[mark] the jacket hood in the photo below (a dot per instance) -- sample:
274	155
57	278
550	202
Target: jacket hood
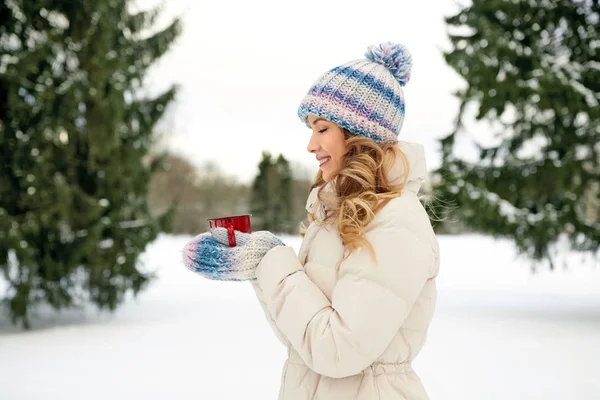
416	176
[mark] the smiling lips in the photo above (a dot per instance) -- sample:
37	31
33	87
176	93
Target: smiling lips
323	160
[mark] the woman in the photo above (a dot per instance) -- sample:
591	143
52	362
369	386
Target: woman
354	306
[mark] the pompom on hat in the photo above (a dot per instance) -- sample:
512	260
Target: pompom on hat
364	96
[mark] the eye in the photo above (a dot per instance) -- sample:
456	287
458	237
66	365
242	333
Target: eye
322	130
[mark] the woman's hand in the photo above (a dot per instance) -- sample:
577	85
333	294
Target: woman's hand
209	254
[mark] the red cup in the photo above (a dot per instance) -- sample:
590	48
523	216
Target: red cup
240	223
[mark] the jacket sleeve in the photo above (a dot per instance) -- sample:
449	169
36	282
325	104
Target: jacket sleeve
369	303
259	295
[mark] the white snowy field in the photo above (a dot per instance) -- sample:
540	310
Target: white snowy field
499	333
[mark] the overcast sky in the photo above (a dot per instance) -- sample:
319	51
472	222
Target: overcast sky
244	66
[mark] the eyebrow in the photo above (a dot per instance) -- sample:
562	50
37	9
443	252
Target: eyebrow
318	119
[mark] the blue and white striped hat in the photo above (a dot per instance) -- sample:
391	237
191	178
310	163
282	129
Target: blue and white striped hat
364	96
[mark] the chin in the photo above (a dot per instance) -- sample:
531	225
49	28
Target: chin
329	173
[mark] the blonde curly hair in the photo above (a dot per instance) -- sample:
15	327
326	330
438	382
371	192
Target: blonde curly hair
362	188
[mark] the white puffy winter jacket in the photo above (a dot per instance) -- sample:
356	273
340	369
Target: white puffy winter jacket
355	336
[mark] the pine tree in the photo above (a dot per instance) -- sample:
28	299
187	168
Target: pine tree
263	195
302	180
74	131
271	196
532	70
284	206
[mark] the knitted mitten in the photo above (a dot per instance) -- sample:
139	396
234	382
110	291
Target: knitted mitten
210	255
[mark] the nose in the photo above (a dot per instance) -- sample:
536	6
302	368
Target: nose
313	146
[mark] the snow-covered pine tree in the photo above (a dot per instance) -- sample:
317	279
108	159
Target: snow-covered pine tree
532	68
74	130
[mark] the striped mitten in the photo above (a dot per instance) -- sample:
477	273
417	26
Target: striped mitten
210	255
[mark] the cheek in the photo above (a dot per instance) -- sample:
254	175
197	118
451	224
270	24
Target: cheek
338	161
339	150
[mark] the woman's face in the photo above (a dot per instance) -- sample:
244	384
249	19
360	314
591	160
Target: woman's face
328	144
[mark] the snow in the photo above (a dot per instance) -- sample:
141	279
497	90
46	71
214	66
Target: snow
499	332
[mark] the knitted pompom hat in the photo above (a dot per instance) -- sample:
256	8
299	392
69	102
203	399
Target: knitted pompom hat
364	96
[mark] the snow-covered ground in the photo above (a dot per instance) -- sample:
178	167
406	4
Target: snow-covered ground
499	332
